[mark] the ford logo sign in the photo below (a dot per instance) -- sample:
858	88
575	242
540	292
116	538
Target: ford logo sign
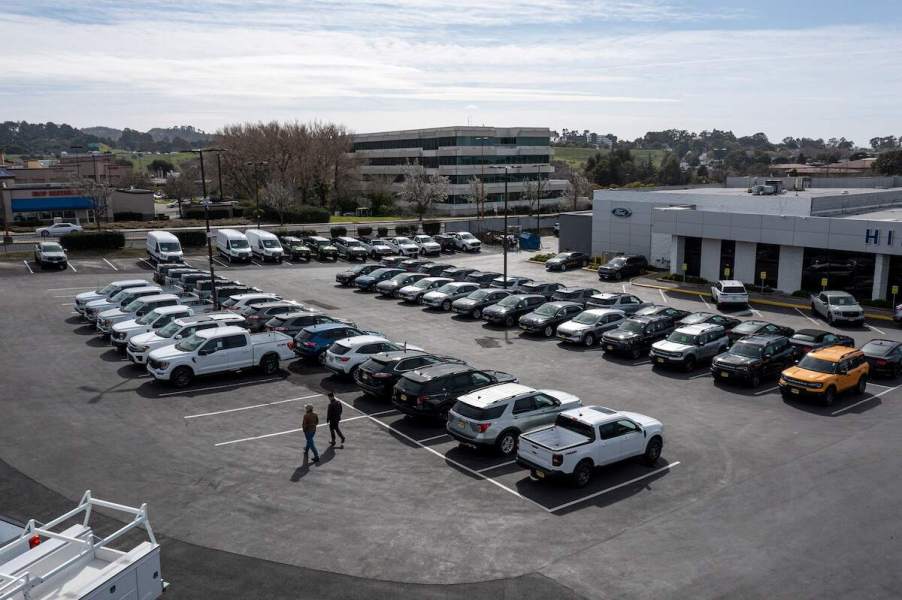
621	212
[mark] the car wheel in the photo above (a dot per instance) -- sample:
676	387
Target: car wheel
509	321
582	473
321	358
689	364
563	267
269	364
507	443
755	380
549	331
181	377
829	396
45	234
618	275
446	305
653	451
589	340
477	313
635	353
862	385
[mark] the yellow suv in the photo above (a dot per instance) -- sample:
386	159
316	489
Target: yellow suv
825	373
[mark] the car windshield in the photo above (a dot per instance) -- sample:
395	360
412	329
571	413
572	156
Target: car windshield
169	246
546	310
51	247
746	349
422	284
678	337
168	330
119	296
238	244
401	277
467	236
878	347
695	318
133	306
148	318
565	422
632	326
479	295
424	239
818	365
402	240
447	289
352	243
841	300
604	300
361	268
748	327
271	244
805	337
105	289
616	262
190	344
509	302
586	318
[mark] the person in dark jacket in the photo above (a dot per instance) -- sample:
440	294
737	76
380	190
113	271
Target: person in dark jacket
333	418
308	425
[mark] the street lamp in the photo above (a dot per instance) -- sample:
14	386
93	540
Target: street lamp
206	201
256	164
507	170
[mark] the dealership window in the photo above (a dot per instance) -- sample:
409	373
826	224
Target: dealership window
767	260
849	271
727	258
692	256
894	278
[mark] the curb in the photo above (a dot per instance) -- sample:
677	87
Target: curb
763	302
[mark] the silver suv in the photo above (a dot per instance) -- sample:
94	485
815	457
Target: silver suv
687	346
495	416
586	327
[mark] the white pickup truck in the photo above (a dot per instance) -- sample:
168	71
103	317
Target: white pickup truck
123	331
217	351
588	437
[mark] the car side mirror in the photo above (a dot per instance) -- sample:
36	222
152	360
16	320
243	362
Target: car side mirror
204	352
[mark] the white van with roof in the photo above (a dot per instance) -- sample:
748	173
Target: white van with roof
140	345
163	247
264	245
232	245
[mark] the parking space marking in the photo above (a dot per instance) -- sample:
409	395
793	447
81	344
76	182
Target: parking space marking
256	263
443	457
755	311
705	302
84	287
623	287
871	397
288	431
798	310
663	297
220	263
872	328
71	266
112	266
27	266
644	362
231	410
700	375
219	387
886	387
435	437
146	262
768	390
615	487
504	464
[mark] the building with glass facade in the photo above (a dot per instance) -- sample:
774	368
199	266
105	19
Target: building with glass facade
839	238
463	154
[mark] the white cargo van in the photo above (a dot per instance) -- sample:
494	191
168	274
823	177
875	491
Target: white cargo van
264	245
163	247
232	245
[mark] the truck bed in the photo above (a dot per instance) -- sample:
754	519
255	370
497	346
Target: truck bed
555	438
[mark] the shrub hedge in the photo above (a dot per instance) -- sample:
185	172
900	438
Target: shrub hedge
305	214
191	239
338	231
94	240
402	230
432	227
365	231
383	231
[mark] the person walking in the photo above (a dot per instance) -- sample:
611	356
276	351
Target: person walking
333	417
308	425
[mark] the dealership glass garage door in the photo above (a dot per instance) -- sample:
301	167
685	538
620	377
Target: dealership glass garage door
849	271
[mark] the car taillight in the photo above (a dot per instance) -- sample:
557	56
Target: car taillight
421	400
880	362
344	358
254	317
291	345
557	459
309	345
483	427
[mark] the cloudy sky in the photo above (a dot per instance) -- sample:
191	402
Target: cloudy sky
815	68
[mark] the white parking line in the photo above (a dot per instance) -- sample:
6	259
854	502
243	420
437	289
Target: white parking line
435	437
27	266
146	262
807	316
231	410
220	263
644	362
288	431
504	464
767	391
700	375
112	266
288	263
844	409
623	287
219	387
702	298
71	266
886	387
612	488
755	312
445	458
256	263
663	297
84	287
871	327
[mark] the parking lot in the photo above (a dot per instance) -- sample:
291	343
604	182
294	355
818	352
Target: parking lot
753	495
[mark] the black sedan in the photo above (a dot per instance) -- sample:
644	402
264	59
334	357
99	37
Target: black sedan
483	278
348	277
580	295
675	314
747	328
806	340
412	264
378	375
884	356
547	317
458	273
698	318
567	260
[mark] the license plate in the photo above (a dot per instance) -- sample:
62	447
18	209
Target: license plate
404	397
724	374
609	347
794	390
660	361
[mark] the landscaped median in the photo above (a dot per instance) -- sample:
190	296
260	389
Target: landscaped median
776	299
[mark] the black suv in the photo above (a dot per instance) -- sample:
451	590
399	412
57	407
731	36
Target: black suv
347	277
747	328
547	317
636	335
292	323
806	340
622	266
483	278
378	375
753	358
445	241
432	391
458	273
543	288
567	260
509	310
580	295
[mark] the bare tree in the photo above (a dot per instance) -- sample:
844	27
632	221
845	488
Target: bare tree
579	188
420	190
280	197
100	198
478	196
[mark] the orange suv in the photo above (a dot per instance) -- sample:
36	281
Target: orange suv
825	373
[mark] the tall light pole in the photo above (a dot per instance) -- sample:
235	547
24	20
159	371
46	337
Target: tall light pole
256	164
206	201
483	139
507	170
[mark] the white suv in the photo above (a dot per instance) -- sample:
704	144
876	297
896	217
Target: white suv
466	241
123	331
729	291
344	356
428	246
404	246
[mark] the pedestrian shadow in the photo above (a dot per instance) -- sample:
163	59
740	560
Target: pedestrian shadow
324	457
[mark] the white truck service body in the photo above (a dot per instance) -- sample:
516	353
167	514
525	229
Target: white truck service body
233	245
219	350
163	247
264	245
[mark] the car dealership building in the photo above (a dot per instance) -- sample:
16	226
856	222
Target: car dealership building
840	238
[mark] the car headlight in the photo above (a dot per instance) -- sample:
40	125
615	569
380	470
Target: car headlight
141	348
